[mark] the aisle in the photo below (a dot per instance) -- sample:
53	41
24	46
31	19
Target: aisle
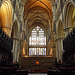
37	74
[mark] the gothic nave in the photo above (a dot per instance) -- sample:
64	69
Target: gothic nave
37	36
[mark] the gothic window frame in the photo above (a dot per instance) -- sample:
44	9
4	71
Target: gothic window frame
37	42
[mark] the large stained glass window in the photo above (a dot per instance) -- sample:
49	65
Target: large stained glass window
37	42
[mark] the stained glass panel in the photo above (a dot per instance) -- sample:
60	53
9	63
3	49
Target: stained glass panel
37	40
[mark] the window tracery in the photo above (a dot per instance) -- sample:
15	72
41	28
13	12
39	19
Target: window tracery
37	42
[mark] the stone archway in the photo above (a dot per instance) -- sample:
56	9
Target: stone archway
14	36
37	13
59	41
69	17
6	10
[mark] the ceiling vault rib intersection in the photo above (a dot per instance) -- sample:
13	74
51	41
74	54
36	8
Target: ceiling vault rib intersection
37	11
37	19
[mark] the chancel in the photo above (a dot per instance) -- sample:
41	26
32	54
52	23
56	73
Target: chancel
37	37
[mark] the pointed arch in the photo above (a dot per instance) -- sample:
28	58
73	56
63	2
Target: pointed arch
14	36
60	29
59	40
46	4
37	41
38	8
6	9
14	33
69	7
1	21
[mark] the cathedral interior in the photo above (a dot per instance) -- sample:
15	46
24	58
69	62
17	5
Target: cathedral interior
37	36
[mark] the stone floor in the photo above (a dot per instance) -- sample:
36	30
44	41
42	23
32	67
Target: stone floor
37	74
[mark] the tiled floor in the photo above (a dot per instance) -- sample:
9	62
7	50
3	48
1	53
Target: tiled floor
37	74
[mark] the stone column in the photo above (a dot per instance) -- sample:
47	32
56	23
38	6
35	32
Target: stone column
59	44
59	49
15	50
57	52
20	57
54	51
25	48
18	53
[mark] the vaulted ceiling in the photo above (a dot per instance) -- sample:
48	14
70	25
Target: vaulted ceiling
37	12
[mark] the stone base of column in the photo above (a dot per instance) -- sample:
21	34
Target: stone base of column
54	51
